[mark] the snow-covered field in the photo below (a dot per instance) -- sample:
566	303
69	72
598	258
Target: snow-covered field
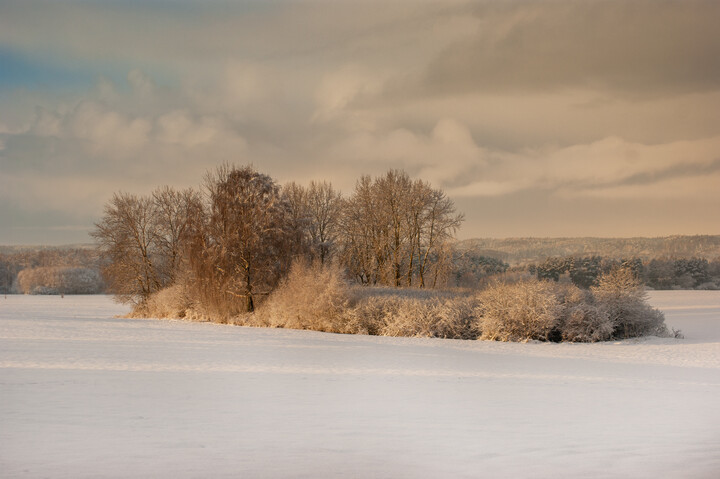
83	394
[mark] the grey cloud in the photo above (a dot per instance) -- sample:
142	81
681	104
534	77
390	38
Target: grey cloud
636	49
680	170
211	32
647	183
332	90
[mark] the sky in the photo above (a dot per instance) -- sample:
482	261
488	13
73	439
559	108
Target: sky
556	118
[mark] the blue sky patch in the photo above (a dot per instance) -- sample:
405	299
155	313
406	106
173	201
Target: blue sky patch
22	71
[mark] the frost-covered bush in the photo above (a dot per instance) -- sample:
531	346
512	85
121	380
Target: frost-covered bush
549	311
621	295
318	297
615	309
456	318
581	320
312	296
367	315
520	311
586	323
409	314
171	302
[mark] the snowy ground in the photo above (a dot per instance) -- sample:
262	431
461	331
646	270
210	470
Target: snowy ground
83	394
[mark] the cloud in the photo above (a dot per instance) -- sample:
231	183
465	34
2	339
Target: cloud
609	168
141	83
480	189
634	49
698	187
106	131
73	157
338	89
499	103
440	155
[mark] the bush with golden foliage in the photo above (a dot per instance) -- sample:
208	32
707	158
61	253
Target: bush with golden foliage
520	311
312	296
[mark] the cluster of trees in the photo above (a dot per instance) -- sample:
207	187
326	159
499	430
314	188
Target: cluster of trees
140	240
16	263
657	273
396	231
682	273
230	244
304	256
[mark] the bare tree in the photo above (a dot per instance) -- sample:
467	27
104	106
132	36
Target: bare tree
171	211
295	197
363	234
394	192
395	228
127	244
439	224
324	207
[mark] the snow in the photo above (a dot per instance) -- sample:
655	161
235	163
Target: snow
86	394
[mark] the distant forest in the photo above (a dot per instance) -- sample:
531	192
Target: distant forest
72	269
674	262
524	251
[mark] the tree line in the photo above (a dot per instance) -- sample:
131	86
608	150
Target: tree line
229	244
50	270
657	273
524	251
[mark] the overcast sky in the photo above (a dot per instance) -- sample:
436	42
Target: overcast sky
538	118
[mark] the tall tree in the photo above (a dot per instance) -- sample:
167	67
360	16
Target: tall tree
439	224
171	211
247	241
324	206
394	192
127	244
363	233
295	197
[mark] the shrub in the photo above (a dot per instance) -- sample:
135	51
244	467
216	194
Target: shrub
580	318
586	323
520	311
456	318
622	296
406	314
366	315
171	302
318	297
312	296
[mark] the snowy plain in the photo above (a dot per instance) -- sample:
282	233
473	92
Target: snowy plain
86	394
